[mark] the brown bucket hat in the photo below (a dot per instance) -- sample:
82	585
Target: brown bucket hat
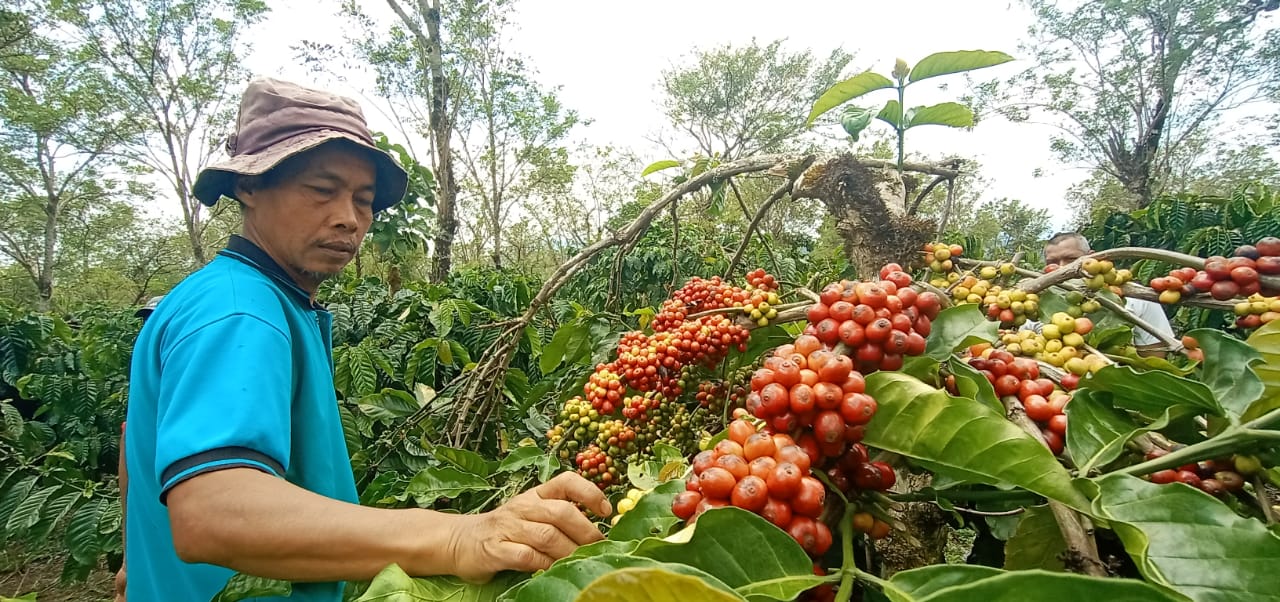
279	119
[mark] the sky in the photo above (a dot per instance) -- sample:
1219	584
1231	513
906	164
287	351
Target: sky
606	58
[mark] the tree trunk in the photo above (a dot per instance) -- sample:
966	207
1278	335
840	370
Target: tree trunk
44	276
867	205
441	131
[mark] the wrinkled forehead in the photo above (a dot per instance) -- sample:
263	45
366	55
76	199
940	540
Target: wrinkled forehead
1065	249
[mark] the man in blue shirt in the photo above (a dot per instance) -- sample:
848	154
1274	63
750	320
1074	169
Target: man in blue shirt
235	456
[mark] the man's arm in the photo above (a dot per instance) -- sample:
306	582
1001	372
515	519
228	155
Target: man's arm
259	524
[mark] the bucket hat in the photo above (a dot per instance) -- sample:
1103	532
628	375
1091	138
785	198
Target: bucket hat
279	119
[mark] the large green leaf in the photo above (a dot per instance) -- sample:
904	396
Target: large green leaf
564	581
961	583
959	326
394	585
1098	432
943	63
847	90
776	567
659	166
925	581
443	481
1151	393
247	587
1266	341
950	114
1187	540
891	114
965	436
652	516
973	385
1226	370
653	584
1037	543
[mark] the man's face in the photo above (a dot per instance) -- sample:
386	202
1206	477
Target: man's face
1063	252
314	218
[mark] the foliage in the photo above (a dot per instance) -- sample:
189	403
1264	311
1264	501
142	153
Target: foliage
59	118
1203	225
172	65
64	388
894	112
1128	83
735	102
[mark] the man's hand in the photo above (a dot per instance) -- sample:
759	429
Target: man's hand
531	531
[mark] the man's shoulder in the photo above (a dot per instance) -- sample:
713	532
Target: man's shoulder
223	288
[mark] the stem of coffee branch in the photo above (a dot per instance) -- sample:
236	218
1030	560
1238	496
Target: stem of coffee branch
1081	548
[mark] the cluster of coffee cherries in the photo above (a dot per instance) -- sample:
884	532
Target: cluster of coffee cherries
877	322
1042	400
1256	311
940	258
1225	278
1059	343
1218	477
764	473
632	402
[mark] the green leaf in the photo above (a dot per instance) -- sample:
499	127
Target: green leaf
1106	338
443	481
950	114
1185	539
564	581
1037	544
925	581
653	584
247	587
1266	341
1151	393
944	63
554	353
777	568
394	585
652	516
973	385
970	438
1097	432
854	120
522	457
29	597
27	513
1043	586
464	459
390	404
891	114
659	166
1226	370
847	90
957	327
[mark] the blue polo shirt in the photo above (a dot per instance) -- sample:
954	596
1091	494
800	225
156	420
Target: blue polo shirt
234	369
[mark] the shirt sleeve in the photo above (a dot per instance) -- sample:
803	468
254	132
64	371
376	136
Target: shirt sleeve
1153	314
225	400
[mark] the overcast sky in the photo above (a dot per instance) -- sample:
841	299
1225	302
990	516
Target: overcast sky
606	56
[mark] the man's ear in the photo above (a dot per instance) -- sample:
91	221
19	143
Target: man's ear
245	189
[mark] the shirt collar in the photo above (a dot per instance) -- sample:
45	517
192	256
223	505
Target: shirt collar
244	250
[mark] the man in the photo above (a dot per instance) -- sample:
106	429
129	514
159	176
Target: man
143	313
1066	247
236	457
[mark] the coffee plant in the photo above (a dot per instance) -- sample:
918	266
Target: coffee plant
1111	473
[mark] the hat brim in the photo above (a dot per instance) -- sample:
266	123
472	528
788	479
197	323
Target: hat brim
219	180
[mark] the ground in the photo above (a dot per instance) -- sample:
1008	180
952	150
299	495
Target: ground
41	576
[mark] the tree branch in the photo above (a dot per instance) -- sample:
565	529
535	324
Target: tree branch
783	190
